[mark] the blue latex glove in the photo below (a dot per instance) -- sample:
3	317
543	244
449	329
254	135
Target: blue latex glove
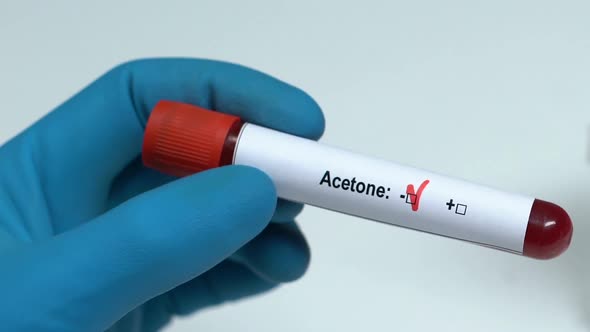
92	240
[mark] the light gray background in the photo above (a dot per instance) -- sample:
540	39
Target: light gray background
492	91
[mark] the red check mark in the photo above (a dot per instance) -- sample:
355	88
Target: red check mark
416	195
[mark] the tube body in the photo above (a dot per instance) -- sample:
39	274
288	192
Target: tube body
312	173
183	139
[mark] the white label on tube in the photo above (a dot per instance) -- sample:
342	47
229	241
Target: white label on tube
308	172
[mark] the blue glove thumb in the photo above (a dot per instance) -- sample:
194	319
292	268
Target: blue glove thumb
96	273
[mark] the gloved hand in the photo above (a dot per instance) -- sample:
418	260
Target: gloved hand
92	240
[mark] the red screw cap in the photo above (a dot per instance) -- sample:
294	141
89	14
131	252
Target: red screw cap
182	139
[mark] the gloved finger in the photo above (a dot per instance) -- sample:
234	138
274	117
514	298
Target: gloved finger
88	278
136	179
228	281
278	254
92	137
286	211
131	322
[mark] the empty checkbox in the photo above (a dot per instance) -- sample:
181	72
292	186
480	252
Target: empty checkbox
461	209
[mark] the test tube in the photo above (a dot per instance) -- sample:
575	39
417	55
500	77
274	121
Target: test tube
182	139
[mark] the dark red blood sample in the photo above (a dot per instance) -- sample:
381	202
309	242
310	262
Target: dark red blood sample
549	231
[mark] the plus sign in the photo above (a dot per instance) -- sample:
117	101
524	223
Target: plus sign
450	204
